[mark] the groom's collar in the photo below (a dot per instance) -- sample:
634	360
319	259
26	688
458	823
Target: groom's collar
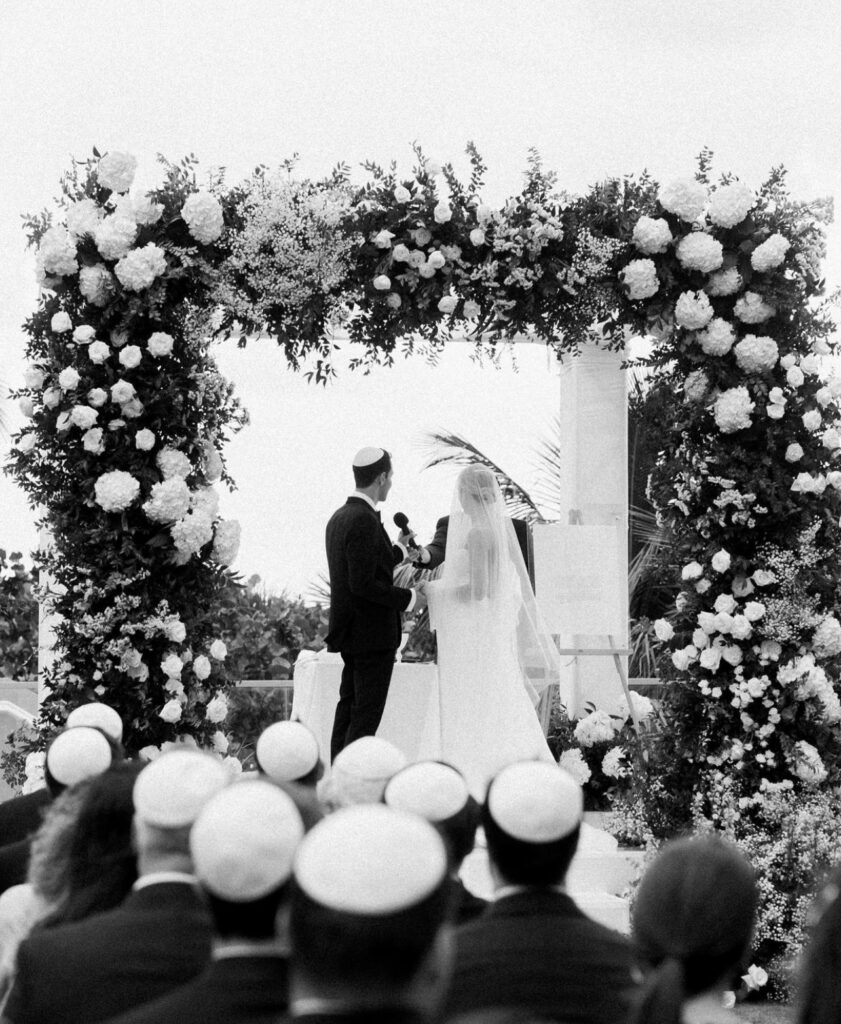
365	497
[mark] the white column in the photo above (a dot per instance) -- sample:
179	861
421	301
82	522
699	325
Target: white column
594	489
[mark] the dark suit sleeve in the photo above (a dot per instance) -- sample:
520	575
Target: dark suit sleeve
20	999
363	543
437	547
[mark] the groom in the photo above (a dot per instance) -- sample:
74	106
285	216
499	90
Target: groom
365	606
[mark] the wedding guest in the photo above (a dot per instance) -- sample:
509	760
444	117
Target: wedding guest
439	793
368	908
818	999
288	752
73	755
97	716
533	948
159	937
242	844
693	921
360	772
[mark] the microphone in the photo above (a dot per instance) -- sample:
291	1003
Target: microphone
402	521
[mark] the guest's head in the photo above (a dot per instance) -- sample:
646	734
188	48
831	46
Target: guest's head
168	797
368	906
82	860
97	716
360	772
692	924
74	755
818	990
288	752
438	792
372	469
242	845
532	820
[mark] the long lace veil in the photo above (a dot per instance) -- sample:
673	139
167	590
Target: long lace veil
484	572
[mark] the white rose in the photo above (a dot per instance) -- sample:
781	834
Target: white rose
640	279
811	419
84	334
741	629
833	479
122	391
447	304
442	213
754	610
700	639
770	254
809	364
723	622
114	236
471	309
422	236
116	490
116	171
130	356
160	344
794	376
710	658
382	240
382	282
34	377
794	453
680	660
132	409
717	338
92	441
436	259
732	654
98	352
202	213
68	379
27	407
803	483
144	440
220	742
721	561
172	666
426	270
401	253
692	571
393	300
218	650
730	204
706	620
663	630
477	236
763	578
171	711
725	603
51	398
402	194
751	308
652	235
83	416
217	709
831	439
484	213
61	323
83	217
700	251
26	443
201	667
97	284
693	310
684	197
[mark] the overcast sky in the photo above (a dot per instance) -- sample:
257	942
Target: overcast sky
601	87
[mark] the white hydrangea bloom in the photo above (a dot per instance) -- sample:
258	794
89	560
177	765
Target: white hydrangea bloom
145	211
57	252
730	204
724	282
202	213
757	354
139	268
191	532
116	171
732	410
700	251
693	310
173	463
114	236
751	308
96	283
826	641
116	490
770	254
685	197
652	235
572	761
642	705
717	338
206	501
226	541
640	279
168	500
83	217
696	386
597	727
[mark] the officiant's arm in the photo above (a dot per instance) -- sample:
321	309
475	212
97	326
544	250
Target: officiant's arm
432	555
363	550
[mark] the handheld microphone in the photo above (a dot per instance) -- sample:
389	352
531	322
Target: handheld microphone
402	521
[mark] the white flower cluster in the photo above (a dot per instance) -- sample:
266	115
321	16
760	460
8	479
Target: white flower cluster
700	251
826	642
808	764
96	283
717	338
652	235
83	217
757	354
57	252
684	197
693	310
751	308
572	761
642	705
770	254
733	409
640	279
695	386
202	213
730	204
226	541
615	763
191	532
169	500
139	268
114	236
597	727
173	463
116	490
724	282
116	171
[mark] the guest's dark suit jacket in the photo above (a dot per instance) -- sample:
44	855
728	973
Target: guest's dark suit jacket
22	815
437	547
14	863
365	605
157	939
384	1015
232	990
538	951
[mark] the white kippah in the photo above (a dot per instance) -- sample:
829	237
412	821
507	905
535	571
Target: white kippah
360	771
367	457
77	754
535	802
101	716
370	860
287	751
170	792
433	790
244	840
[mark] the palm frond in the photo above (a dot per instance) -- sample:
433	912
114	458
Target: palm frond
547	464
319	590
453	449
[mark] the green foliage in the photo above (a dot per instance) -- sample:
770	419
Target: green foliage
18	619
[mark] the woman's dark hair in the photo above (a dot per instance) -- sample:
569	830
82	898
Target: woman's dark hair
818	990
88	846
692	923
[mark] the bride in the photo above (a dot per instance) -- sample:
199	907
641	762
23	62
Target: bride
495	654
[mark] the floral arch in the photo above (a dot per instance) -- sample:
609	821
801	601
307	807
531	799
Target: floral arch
128	417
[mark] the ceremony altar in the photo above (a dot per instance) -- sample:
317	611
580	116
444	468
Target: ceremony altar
412	699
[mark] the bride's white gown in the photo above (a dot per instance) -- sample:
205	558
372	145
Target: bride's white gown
490	650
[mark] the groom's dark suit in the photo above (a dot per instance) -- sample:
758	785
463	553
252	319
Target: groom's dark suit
365	609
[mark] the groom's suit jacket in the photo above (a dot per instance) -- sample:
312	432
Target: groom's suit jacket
437	547
365	605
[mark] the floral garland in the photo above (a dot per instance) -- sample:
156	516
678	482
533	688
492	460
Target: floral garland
127	414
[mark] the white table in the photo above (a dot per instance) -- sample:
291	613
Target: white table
411	710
